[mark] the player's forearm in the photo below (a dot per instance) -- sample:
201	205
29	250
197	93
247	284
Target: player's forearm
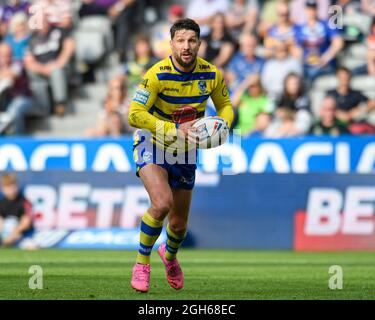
371	62
66	53
227	114
142	119
24	225
224	55
333	50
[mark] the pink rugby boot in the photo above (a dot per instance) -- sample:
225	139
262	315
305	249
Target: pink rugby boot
175	276
141	277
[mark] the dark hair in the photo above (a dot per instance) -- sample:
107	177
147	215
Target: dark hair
185	24
140	37
301	88
345	69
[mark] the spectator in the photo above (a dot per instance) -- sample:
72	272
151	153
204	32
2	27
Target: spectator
262	122
127	17
58	12
15	91
143	60
282	125
371	53
160	33
244	63
349	101
111	120
9	10
298	15
319	42
202	12
116	125
218	46
368	7
51	49
276	69
15	212
18	37
283	31
294	104
241	17
368	66
249	100
96	7
328	123
268	16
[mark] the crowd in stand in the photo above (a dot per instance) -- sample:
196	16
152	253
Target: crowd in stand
274	55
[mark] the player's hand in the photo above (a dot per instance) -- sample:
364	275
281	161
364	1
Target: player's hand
323	62
11	239
186	131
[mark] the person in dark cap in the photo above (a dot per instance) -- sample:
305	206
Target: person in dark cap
311	3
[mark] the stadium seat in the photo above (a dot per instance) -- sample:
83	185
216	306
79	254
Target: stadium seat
352	62
371	118
91	48
364	83
99	24
325	83
359	20
358	51
316	97
370	94
354	56
94	36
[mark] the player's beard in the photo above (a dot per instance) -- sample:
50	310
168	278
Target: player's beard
188	64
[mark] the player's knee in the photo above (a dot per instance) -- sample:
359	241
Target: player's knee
162	206
178	227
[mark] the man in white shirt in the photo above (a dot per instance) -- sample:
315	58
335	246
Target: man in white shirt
277	68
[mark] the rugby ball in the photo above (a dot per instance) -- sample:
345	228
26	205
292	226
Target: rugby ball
211	132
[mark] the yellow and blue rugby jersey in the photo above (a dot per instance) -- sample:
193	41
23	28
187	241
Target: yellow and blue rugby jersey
173	96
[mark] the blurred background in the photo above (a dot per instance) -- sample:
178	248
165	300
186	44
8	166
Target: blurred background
297	172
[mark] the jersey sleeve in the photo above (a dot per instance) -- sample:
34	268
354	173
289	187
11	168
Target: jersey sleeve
331	32
27	209
221	100
143	100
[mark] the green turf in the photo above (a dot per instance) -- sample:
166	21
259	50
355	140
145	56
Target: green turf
209	274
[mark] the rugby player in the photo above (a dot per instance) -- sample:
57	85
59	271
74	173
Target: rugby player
171	97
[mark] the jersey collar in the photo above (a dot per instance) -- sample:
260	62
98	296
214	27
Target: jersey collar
180	71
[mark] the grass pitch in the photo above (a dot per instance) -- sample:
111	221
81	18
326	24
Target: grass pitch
209	274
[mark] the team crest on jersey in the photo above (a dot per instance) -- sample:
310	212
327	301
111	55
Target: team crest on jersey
147	156
202	86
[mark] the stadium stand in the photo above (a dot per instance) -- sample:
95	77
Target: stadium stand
102	53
